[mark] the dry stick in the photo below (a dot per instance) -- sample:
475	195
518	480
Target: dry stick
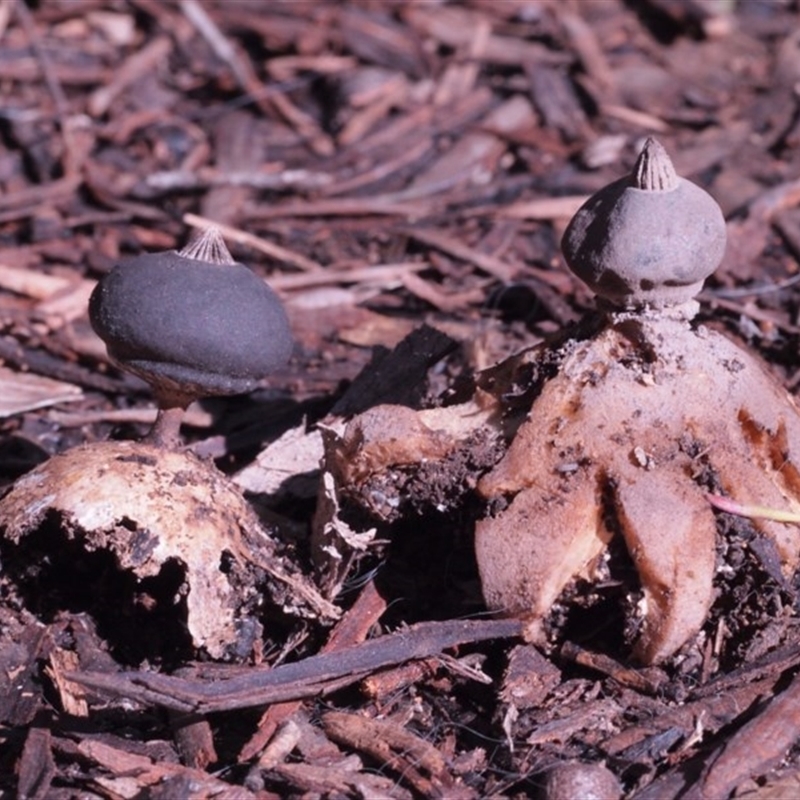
392	746
544	208
258	687
379	274
606	665
351	629
378	205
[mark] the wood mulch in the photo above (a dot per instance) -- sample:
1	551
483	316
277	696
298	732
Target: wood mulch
401	173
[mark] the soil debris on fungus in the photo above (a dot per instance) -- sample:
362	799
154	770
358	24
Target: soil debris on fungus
637	415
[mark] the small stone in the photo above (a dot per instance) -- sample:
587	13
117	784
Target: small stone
576	781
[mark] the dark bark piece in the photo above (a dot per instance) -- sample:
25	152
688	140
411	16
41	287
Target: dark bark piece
396	377
529	677
754	749
194	740
555	99
20	695
36	765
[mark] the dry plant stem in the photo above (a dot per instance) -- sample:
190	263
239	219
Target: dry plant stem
311	676
731	506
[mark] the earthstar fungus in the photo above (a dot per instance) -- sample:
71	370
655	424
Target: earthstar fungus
636	414
615	443
191	323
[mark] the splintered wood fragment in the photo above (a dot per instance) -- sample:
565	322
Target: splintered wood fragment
529	677
259	686
71	695
416	761
36	768
194	739
23	391
755	748
149	773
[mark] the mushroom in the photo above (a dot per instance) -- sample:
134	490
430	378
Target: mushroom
191	323
637	416
645	415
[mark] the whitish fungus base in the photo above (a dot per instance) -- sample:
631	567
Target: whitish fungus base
152	509
624	440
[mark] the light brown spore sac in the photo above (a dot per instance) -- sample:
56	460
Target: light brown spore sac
624	418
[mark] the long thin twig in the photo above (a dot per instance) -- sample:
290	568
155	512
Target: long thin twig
260	686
